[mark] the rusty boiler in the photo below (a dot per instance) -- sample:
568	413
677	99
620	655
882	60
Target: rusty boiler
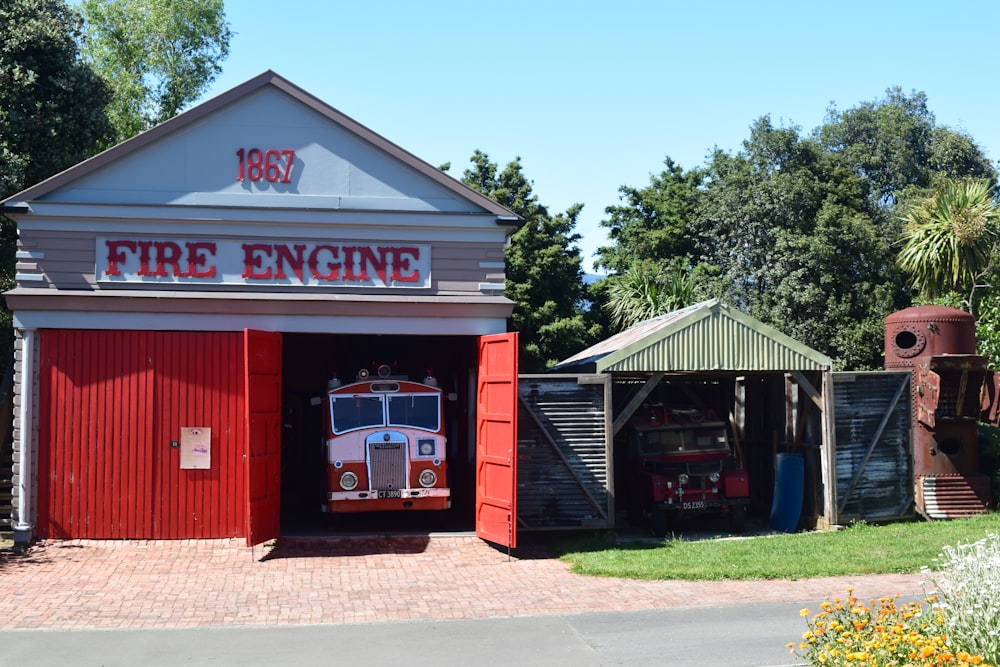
937	345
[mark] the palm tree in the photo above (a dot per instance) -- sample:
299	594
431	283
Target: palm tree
647	289
950	238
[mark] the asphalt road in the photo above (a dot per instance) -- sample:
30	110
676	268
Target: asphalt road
751	635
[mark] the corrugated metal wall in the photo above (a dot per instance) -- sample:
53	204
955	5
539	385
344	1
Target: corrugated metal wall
872	446
111	403
564	473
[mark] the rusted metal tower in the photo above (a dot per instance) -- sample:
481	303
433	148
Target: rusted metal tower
952	391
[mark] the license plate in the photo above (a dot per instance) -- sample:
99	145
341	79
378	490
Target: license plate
391	493
697	505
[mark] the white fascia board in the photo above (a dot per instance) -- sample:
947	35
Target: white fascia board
424	326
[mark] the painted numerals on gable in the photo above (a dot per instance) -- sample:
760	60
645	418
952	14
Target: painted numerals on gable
272	165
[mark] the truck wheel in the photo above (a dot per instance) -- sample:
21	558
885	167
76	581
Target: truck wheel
738	519
659	522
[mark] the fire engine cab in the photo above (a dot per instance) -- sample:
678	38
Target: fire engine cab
683	465
385	444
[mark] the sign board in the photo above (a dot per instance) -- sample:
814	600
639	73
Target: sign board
256	262
196	448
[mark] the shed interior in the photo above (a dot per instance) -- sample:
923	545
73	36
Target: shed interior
763	413
308	362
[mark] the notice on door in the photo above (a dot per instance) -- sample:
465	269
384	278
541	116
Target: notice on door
196	448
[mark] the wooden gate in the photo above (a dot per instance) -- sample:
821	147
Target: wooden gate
564	468
870	449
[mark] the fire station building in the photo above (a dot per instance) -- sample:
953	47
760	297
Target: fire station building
182	299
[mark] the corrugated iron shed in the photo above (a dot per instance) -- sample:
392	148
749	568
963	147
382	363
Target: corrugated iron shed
708	336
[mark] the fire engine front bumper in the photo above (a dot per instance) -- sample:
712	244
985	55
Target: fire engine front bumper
702	505
385	500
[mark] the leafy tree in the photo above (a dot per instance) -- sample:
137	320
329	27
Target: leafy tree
833	286
955	154
786	222
775	183
543	268
653	221
885	142
51	103
988	328
802	229
156	55
897	150
51	108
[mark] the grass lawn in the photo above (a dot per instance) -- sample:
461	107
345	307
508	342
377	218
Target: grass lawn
859	549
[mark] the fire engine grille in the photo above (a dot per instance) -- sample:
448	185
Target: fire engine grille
388	465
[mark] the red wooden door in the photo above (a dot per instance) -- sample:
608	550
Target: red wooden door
496	440
95	429
262	366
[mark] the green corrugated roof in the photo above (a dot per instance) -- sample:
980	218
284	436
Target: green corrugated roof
707	336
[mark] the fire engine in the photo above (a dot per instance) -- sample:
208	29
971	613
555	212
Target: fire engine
683	465
385	444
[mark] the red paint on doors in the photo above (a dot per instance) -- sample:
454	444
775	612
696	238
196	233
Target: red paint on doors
496	440
263	446
110	406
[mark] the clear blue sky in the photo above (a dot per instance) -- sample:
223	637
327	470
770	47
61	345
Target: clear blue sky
594	95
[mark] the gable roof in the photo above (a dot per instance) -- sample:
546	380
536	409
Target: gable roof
268	79
707	336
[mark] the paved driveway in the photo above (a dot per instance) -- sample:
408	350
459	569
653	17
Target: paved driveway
200	583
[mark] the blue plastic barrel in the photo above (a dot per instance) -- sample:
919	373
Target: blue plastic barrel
789	488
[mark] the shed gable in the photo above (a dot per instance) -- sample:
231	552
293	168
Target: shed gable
708	336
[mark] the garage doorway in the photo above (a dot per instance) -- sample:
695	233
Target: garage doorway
309	361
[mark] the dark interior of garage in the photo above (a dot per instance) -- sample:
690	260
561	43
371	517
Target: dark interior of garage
309	361
753	412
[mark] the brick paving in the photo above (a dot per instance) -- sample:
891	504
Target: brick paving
79	584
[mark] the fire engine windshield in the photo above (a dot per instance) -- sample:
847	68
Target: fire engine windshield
679	440
416	410
356	411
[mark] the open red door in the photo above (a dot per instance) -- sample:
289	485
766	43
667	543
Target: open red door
262	368
496	440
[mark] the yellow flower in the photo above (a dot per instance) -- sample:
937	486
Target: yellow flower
804	612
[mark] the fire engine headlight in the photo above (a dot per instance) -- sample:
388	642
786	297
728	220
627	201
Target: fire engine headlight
425	447
348	481
428	478
682	479
714	477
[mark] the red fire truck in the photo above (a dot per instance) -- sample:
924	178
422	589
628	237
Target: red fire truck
385	444
683	465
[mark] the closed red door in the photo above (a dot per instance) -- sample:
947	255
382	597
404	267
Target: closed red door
95	469
111	408
496	440
263	418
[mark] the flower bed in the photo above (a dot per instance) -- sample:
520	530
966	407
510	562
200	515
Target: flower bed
957	624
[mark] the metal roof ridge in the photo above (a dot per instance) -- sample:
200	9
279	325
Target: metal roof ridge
654	331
